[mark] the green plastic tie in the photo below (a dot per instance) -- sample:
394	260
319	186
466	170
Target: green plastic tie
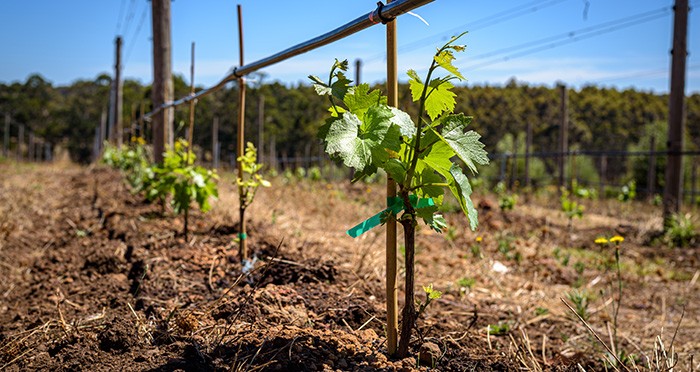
394	206
242	236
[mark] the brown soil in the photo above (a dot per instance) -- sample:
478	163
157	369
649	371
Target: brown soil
96	279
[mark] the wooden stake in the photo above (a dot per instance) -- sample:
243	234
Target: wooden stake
141	131
103	129
528	145
392	317
118	122
215	143
162	77
651	172
20	143
676	113
563	133
243	251
30	155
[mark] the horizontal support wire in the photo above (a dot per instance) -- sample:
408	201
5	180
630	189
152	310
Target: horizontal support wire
591	153
383	12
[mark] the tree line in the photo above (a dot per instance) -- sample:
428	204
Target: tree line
599	118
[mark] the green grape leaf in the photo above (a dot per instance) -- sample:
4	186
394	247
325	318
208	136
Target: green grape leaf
396	169
439	155
404	122
341	135
325	127
427	177
438	223
321	88
376	121
462	190
361	143
444	59
432	219
466	145
340	86
415	84
362	173
358	99
440	98
379	131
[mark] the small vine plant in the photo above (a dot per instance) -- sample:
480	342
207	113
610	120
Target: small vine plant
366	134
248	185
184	181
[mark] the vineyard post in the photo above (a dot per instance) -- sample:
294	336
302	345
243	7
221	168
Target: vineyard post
513	164
563	133
240	148
6	139
118	127
162	77
141	122
693	182
215	143
651	172
528	144
30	149
358	81
676	113
603	173
20	143
190	129
273	153
103	129
392	316
132	127
95	145
504	164
572	172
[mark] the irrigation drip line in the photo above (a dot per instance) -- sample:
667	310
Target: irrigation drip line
381	13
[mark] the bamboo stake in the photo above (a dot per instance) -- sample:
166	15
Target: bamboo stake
392	318
243	252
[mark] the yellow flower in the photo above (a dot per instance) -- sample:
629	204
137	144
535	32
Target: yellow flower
617	239
479	239
138	140
601	241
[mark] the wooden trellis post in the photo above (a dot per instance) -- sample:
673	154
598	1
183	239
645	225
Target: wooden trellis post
392	315
651	171
243	251
673	186
215	143
563	133
118	126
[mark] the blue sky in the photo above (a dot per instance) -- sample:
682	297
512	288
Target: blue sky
74	39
